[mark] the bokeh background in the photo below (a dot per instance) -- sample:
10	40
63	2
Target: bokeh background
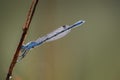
89	52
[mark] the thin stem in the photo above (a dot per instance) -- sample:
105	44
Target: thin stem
25	29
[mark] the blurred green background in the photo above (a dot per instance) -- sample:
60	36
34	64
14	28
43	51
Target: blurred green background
89	52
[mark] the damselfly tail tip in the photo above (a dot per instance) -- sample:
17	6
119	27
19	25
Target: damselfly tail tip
78	23
81	21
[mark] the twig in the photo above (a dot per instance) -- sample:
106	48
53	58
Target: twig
25	29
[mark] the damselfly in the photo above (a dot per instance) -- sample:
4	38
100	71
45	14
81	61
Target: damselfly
54	35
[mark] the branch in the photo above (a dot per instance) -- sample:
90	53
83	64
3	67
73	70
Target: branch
25	29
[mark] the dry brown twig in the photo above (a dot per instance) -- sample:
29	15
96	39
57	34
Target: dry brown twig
25	29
